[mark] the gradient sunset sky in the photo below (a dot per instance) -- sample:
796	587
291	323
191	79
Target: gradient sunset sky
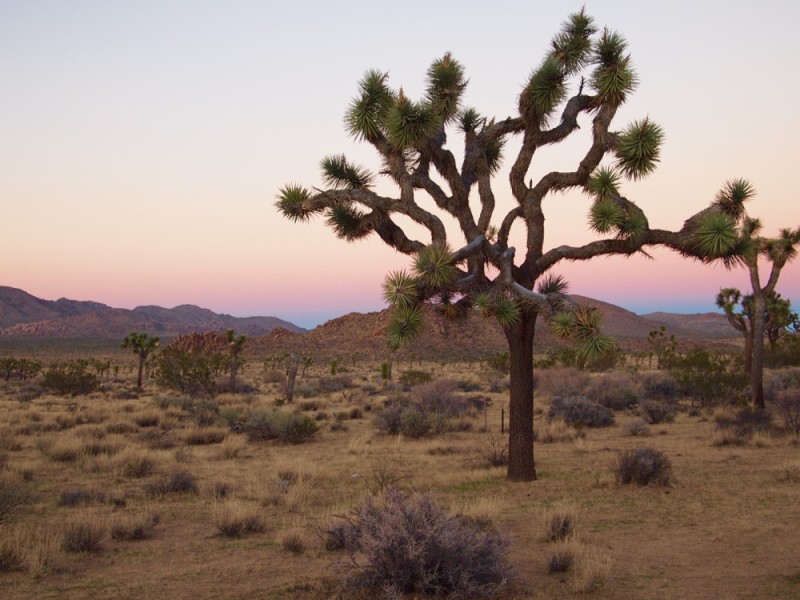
142	143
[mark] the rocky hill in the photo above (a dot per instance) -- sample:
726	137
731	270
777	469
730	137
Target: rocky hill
24	315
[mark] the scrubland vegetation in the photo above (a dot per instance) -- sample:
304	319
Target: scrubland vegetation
652	484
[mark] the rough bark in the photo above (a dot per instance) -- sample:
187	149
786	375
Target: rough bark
520	441
757	351
294	363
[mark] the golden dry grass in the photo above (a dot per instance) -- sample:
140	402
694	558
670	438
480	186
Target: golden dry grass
714	533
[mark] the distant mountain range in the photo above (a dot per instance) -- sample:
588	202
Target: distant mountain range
24	315
355	334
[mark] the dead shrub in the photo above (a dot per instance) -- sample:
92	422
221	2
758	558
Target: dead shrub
13	494
135	526
83	536
234	518
642	466
202	436
637	428
560	523
181	482
403	543
787	405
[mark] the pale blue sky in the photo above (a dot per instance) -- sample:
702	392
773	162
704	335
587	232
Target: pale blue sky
142	143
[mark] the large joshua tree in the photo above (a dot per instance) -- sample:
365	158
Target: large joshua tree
585	74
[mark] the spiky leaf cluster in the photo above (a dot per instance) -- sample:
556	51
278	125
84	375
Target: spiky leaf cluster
339	173
446	84
347	222
367	112
293	202
434	266
732	196
602	184
638	149
613	77
783	249
606	215
571	47
715	235
469	120
400	289
405	325
553	283
544	91
409	124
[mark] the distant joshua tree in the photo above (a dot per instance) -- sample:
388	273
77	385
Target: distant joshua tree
235	347
586	74
142	346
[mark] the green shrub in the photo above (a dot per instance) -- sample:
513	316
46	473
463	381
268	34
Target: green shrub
709	378
411	377
281	426
190	372
657	411
71	378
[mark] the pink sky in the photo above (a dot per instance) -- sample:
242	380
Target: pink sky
142	144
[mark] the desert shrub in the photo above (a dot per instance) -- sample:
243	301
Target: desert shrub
745	422
468	386
615	391
29	391
12	553
591	571
579	412
709	378
785	353
191	372
335	384
657	411
562	558
562	381
407	419
555	431
201	436
292	541
83	536
147	419
660	386
70	378
403	543
499	361
642	466
135	527
637	428
309	405
281	426
355	413
13	494
787	404
81	496
440	397
411	378
234	518
120	427
135	463
494	453
560	523
180	482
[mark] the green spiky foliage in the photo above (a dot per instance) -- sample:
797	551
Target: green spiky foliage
507	311
572	46
639	148
400	289
405	324
338	173
606	216
603	183
142	345
552	283
544	92
613	77
409	124
434	266
715	235
446	83
732	196
293	202
470	120
347	222
367	113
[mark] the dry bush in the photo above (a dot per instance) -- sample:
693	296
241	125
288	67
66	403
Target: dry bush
617	391
132	527
83	536
656	412
551	432
561	381
233	518
121	427
13	494
66	448
787	404
592	569
292	541
201	436
180	482
231	447
642	466
579	412
494	452
24	548
81	496
149	418
282	426
560	523
791	471
637	428
563	555
403	543
135	463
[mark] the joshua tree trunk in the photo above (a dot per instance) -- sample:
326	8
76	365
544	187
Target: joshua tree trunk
757	367
748	352
520	450
294	363
139	373
234	371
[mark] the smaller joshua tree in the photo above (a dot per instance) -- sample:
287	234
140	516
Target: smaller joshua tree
235	347
142	346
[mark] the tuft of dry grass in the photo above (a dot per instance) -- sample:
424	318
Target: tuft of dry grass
292	541
592	570
202	436
135	526
231	447
135	463
791	471
563	556
560	523
233	518
552	432
83	535
25	548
